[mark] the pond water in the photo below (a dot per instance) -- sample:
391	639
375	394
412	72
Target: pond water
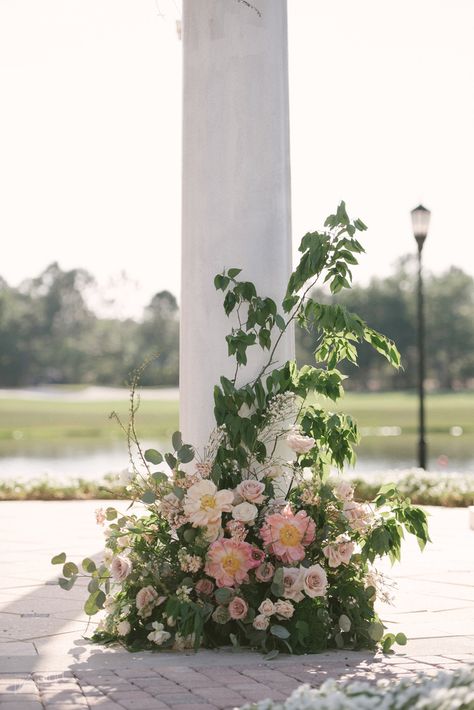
92	461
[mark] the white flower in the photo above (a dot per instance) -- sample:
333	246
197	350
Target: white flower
284	608
274	472
261	622
159	635
108	557
120	568
299	443
110	604
123	628
123	541
245	512
267	607
204	504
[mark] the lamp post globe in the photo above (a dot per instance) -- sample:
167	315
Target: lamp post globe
421	220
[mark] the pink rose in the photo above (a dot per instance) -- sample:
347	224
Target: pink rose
238	608
205	587
284	608
346	549
120	568
146	599
315	581
257	555
264	572
251	491
359	515
331	552
344	491
293	582
299	443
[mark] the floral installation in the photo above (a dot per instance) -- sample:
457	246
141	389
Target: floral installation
251	541
445	691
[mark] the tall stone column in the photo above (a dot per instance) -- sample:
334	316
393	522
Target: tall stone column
236	185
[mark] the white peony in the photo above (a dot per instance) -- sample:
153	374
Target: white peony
123	628
204	504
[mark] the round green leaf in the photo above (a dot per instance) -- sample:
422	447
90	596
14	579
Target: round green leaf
279	631
376	631
88	565
401	639
185	453
148	497
153	456
177	440
70	569
59	559
224	595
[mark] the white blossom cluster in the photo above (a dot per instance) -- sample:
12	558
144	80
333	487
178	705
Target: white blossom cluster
281	414
445	691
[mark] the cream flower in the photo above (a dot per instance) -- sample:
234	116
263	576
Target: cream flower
261	622
158	635
267	607
245	512
123	628
293	582
344	491
284	608
299	443
204	504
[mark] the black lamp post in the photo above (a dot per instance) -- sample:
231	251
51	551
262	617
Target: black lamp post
421	220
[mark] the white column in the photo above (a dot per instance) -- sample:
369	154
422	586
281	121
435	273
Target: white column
236	185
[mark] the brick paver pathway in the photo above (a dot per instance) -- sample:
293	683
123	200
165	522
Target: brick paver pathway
46	663
184	687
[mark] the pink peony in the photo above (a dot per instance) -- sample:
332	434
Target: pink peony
204	587
229	561
286	534
238	608
251	491
264	572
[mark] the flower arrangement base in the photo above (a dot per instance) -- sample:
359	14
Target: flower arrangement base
253	542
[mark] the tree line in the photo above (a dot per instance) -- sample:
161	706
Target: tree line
49	334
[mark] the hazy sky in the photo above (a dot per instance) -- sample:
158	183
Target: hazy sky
382	115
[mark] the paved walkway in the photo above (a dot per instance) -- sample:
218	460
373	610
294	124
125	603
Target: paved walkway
45	661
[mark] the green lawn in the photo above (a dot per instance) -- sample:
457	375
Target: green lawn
25	423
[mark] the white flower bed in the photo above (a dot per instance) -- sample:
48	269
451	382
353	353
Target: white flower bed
446	691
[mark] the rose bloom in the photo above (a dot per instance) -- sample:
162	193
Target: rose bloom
245	513
204	504
267	607
251	491
299	443
123	628
261	622
286	534
284	608
120	568
344	491
339	552
204	587
238	608
315	581
293	582
359	515
229	561
264	572
257	555
145	600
